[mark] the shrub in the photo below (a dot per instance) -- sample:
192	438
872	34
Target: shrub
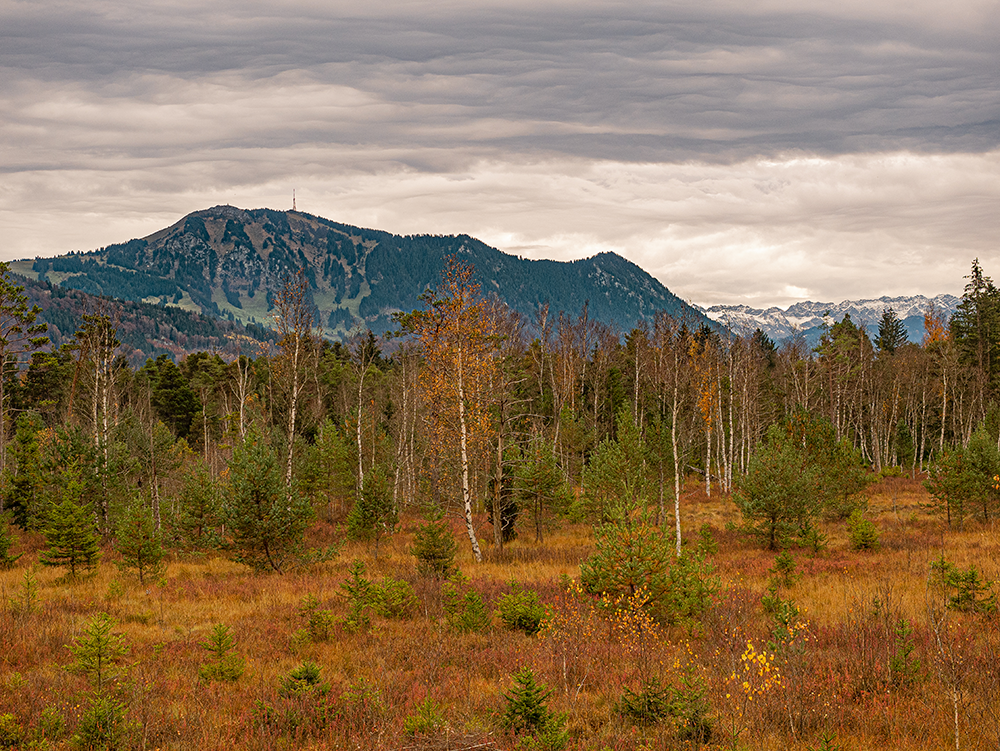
26	601
11	732
319	623
904	665
520	610
6	543
706	541
358	591
527	712
691	709
633	554
374	512
651	704
97	650
862	533
51	724
967	591
783	571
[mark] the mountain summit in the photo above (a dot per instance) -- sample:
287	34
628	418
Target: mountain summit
229	262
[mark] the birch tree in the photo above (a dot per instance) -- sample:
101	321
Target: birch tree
457	338
293	319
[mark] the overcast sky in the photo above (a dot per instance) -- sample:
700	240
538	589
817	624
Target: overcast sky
742	152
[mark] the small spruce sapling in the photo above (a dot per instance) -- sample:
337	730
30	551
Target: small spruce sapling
139	542
303	681
464	608
71	532
528	712
863	533
6	543
374	513
224	665
358	592
434	547
521	610
97	651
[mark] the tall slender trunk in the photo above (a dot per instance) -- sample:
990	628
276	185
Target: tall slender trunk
464	441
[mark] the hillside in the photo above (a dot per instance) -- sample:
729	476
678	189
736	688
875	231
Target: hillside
145	330
228	262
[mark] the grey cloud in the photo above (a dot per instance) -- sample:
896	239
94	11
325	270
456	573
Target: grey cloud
735	150
623	83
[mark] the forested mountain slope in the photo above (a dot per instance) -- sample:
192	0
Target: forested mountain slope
229	262
145	330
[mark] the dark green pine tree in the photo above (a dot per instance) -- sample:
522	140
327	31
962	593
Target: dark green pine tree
434	547
975	326
22	496
19	335
373	514
171	396
139	542
540	485
200	509
6	543
267	521
71	531
891	332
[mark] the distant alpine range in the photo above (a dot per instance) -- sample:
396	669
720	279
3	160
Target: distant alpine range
810	318
228	263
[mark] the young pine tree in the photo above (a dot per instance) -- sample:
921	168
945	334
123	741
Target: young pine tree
71	532
267	519
540	484
6	543
434	547
200	509
97	650
373	514
139	541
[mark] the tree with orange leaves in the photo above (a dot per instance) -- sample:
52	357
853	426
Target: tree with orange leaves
457	337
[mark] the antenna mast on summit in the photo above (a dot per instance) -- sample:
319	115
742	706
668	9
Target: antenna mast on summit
293	199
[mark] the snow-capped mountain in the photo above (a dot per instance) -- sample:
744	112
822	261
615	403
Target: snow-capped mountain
808	317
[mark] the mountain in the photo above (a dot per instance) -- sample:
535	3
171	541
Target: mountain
145	330
229	262
808	317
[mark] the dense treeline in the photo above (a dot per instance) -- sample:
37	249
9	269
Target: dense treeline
477	408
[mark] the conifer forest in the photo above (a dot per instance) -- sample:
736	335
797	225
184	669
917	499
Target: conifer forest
494	532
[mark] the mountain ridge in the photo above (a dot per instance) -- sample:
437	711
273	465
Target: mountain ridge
228	262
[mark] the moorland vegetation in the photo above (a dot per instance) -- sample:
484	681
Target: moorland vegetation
506	534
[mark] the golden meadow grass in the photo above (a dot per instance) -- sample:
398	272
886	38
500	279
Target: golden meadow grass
829	677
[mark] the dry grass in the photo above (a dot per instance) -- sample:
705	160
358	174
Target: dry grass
834	672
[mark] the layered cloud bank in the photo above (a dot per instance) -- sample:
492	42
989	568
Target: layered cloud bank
764	156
